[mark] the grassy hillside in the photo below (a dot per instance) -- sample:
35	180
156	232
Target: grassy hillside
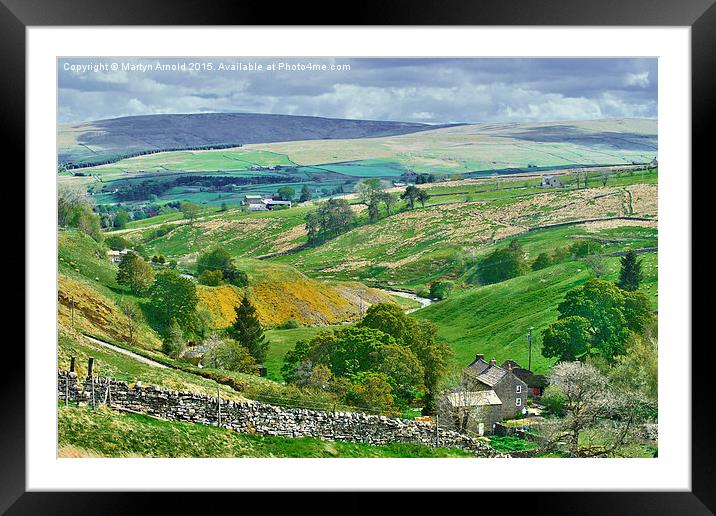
83	432
424	243
242	234
494	320
488	147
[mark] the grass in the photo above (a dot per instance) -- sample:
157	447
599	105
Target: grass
84	432
113	364
281	342
414	247
494	320
507	444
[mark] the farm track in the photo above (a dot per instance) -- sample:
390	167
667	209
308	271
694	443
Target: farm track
135	356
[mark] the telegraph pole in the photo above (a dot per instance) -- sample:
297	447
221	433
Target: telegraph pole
529	341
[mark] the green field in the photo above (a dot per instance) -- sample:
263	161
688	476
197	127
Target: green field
87	432
494	320
281	342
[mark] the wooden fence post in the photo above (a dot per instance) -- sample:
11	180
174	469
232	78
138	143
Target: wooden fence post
437	431
218	405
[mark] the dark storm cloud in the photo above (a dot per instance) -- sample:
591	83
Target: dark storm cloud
432	90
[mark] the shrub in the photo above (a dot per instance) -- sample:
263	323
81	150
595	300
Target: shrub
211	278
584	248
542	261
232	356
553	400
441	289
502	264
289	325
174	343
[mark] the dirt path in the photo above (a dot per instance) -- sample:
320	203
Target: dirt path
139	358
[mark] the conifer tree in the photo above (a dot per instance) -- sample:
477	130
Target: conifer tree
248	332
631	274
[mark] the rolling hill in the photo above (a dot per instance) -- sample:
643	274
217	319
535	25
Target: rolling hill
103	139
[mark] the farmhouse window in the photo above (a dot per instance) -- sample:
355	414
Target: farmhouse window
518	402
519	389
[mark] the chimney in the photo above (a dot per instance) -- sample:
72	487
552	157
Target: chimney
493	362
480	357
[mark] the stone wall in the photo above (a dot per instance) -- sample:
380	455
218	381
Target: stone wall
260	418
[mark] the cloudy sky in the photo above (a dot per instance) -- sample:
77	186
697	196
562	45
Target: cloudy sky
412	90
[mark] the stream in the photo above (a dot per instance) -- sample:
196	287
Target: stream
424	301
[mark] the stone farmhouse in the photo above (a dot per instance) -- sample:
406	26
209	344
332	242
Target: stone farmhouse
489	394
116	256
550	181
258	203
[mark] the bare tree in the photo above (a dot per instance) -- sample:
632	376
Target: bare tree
589	404
133	314
597	263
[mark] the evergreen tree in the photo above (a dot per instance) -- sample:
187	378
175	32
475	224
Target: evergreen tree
305	194
248	332
631	274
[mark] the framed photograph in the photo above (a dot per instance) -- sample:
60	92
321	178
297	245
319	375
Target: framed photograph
434	254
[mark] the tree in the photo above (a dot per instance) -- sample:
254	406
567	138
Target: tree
74	209
117	242
631	274
588	402
211	278
190	210
331	219
305	194
411	194
597	264
502	264
133	314
367	189
218	259
611	313
372	391
247	330
420	337
567	339
173	343
173	297
584	248
637	370
541	262
422	197
121	219
602	304
389	200
135	273
230	355
286	193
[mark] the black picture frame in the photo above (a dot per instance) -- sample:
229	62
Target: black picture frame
700	15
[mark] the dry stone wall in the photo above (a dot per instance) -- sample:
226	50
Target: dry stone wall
260	418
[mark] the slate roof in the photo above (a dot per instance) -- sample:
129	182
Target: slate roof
492	375
485	372
473	398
